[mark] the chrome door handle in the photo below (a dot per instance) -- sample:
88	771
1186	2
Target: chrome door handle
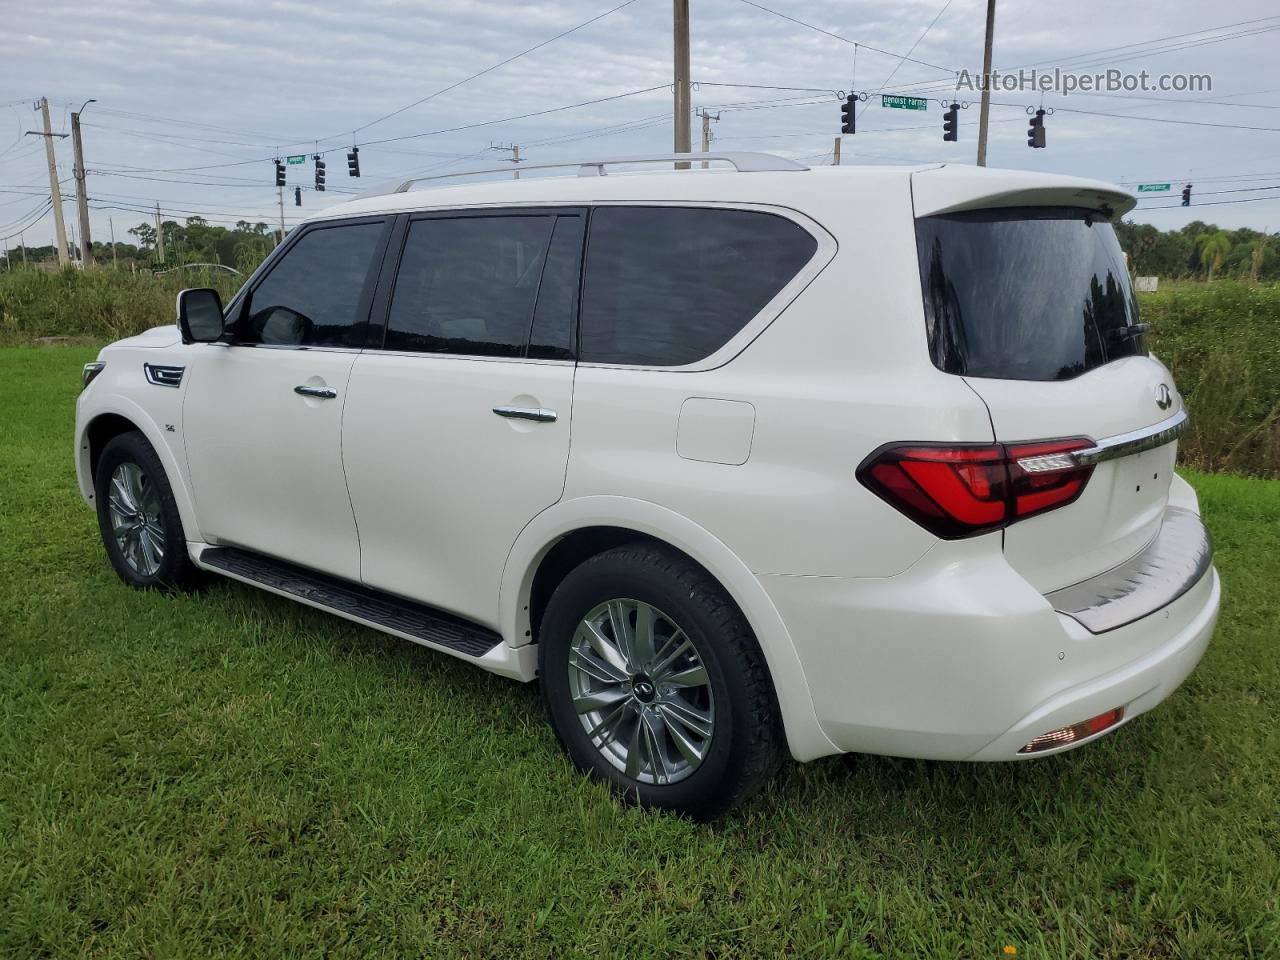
324	393
540	414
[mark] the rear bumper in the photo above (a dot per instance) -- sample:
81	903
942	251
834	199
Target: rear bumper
960	658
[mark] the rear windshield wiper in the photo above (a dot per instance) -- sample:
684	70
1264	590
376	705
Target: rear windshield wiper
1132	330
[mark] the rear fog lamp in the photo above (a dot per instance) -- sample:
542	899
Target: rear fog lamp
1077	731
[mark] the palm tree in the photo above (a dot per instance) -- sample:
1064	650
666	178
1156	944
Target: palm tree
1213	247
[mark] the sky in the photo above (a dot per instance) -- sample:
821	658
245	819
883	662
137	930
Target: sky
195	99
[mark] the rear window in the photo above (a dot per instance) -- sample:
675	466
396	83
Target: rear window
1025	293
667	286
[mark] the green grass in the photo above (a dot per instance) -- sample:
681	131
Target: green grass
231	774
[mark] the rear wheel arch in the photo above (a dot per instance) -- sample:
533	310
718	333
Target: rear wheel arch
564	536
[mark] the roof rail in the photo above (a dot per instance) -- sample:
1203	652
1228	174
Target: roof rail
741	162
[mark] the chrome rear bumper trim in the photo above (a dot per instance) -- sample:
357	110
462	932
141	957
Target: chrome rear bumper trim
1168	567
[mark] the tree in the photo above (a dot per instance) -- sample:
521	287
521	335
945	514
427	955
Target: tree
1213	249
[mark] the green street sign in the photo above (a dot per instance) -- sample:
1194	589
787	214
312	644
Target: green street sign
1153	187
301	158
904	103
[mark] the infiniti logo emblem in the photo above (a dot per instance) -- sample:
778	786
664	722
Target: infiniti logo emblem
1164	398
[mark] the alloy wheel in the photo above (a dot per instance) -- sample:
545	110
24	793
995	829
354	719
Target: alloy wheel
136	519
641	691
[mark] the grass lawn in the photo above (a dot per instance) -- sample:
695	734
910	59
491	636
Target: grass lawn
232	774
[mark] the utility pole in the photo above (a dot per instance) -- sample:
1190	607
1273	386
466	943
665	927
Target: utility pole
835	152
706	132
280	197
112	224
55	194
159	234
22	239
82	196
514	150
986	84
683	138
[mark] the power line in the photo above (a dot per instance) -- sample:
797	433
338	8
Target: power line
937	16
490	69
1211	203
856	43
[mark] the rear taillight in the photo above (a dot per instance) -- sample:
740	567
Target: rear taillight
960	490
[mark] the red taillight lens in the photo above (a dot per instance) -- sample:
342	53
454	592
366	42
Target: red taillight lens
962	490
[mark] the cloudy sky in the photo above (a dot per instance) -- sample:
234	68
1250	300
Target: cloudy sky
195	98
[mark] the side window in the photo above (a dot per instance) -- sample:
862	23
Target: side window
666	286
469	285
312	296
557	311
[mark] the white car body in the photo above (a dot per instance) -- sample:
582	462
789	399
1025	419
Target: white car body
879	636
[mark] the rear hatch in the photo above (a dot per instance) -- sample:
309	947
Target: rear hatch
1027	297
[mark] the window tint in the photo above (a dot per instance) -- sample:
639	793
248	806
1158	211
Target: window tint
553	319
311	297
670	285
1025	294
468	285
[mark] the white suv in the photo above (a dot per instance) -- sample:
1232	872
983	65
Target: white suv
738	462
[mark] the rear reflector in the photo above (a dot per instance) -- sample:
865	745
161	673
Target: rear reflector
960	490
1077	731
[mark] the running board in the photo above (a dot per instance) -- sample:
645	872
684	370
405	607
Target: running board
353	600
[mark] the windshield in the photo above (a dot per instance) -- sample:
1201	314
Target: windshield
1026	293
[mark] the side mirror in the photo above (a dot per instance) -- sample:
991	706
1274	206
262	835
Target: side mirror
200	315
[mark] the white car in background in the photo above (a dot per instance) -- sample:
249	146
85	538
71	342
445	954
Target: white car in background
738	463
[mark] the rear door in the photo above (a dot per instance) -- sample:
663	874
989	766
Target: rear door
456	429
1032	306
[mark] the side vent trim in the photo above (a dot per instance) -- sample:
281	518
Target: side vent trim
163	376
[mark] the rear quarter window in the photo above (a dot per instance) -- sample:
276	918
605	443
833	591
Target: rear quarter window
668	286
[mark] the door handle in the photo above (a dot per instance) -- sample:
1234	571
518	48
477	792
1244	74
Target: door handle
324	393
540	414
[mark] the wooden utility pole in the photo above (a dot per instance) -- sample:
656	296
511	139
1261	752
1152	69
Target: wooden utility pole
514	150
159	234
683	135
82	196
55	194
280	197
706	132
986	84
835	152
112	224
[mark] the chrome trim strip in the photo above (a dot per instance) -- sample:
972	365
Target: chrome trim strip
162	375
539	414
1169	566
1121	445
1136	441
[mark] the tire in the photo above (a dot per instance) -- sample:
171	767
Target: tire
647	718
138	517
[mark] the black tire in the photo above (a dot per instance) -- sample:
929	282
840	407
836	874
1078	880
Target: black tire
174	569
746	746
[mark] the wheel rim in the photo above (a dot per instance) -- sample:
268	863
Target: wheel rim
133	504
641	691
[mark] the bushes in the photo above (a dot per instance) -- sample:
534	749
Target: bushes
1222	342
99	305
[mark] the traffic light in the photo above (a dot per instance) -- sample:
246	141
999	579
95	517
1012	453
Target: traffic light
951	124
279	174
848	114
319	172
1035	132
297	196
353	162
1186	195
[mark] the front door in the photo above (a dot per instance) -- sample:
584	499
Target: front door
456	432
262	416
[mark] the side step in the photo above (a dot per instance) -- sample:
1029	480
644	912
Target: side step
354	600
